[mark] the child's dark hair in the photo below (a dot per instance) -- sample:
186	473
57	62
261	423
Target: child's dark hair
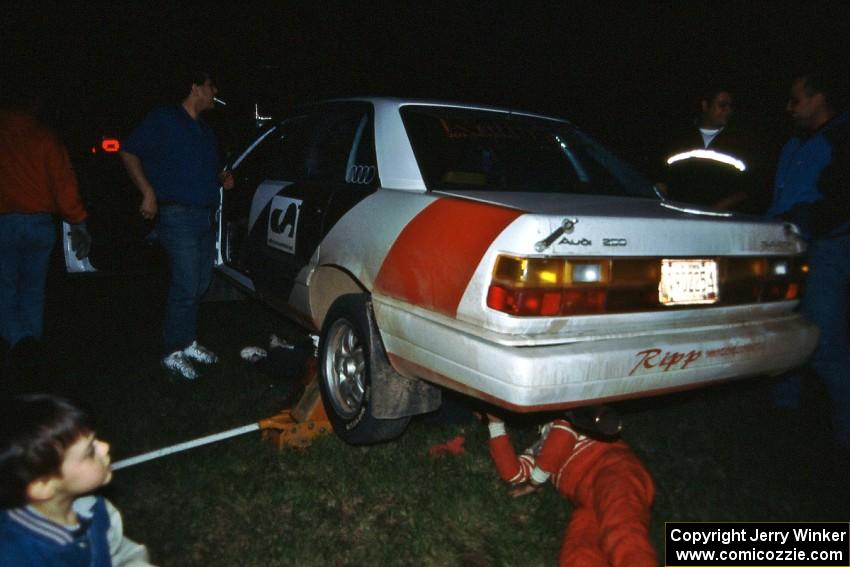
35	431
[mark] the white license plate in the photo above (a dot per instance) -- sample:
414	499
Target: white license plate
687	282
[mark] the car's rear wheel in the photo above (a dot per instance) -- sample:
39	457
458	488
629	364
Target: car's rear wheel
345	371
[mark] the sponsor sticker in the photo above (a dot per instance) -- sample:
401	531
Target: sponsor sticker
283	223
653	360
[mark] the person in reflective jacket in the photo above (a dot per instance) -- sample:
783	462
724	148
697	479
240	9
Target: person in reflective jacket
713	164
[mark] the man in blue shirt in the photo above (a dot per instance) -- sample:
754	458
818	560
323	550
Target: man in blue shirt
812	190
172	158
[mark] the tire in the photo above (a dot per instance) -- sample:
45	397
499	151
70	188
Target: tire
345	371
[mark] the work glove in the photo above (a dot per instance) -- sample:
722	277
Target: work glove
80	240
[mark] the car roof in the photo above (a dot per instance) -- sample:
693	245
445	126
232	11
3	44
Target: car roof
395	158
394	104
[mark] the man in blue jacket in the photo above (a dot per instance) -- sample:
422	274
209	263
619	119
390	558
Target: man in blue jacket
812	190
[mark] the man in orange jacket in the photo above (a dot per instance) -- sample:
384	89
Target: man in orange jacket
37	183
610	488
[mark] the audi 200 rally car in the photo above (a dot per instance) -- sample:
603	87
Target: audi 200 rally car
500	254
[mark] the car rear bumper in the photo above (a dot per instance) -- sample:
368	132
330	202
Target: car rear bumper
534	378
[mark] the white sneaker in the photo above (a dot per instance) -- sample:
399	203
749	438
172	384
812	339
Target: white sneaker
178	363
200	353
253	354
276	342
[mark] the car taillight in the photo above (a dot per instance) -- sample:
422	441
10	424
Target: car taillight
556	286
107	145
756	280
110	145
549	286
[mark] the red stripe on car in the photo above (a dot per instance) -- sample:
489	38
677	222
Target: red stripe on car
432	260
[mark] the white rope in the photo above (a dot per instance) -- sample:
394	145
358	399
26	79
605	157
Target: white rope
184	446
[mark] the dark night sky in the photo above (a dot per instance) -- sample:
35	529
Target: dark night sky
623	71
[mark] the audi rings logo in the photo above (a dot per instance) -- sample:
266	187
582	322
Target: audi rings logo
360	174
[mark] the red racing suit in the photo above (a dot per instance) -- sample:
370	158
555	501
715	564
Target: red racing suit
610	488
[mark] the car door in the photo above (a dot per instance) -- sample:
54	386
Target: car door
274	219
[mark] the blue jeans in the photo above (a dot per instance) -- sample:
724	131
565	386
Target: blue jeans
188	236
26	241
825	304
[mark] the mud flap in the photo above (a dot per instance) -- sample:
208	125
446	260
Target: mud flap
394	395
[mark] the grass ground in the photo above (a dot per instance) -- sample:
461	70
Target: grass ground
720	454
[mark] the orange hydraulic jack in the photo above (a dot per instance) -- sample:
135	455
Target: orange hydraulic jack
297	427
290	428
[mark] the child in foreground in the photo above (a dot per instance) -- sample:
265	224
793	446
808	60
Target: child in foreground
610	488
50	463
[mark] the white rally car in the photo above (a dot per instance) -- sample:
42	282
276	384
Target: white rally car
500	254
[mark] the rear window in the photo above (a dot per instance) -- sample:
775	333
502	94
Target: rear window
461	149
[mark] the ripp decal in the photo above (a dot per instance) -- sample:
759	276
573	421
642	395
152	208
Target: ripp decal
653	358
732	350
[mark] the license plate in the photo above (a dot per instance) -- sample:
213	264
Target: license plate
687	282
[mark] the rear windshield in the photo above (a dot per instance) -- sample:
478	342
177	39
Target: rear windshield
461	149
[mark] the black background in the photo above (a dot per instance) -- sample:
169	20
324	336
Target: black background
624	71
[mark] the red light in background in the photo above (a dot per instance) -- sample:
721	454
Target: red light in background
110	145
